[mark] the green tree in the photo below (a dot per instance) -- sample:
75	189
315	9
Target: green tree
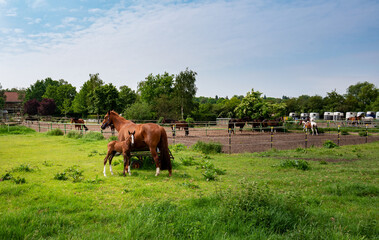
185	90
82	102
62	94
252	105
104	98
364	94
334	102
166	107
38	89
126	97
155	86
139	111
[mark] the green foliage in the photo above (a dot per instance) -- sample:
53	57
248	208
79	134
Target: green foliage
329	144
344	132
55	132
298	164
191	122
363	133
207	148
139	111
185	90
112	138
4	130
71	172
355	189
19	180
61	176
74	134
190	185
178	147
23	168
6	176
187	161
211	172
93	136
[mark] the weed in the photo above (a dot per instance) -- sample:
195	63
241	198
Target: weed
190	185
19	180
6	177
55	132
207	148
187	161
178	147
93	136
298	164
363	133
210	174
47	164
23	168
329	144
323	162
97	180
92	153
74	134
61	176
344	132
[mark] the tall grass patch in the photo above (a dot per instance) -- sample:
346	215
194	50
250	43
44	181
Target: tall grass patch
55	132
93	136
207	148
15	130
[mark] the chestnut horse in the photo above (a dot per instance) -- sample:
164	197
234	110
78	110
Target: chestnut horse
117	148
81	123
147	136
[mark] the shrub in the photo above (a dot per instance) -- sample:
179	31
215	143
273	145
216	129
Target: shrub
298	164
188	161
6	177
329	144
191	122
61	176
55	132
23	168
4	130
207	148
344	132
178	147
93	136
19	180
363	133
74	135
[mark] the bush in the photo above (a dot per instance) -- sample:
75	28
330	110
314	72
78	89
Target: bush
329	144
23	168
191	122
207	148
178	147
4	130
363	133
6	177
344	132
188	161
93	136
19	180
74	135
55	132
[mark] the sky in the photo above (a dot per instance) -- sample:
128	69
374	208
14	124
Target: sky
279	47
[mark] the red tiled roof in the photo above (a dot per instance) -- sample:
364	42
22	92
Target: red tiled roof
11	97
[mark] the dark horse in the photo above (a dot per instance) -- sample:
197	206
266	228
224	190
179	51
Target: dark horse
81	123
234	122
147	136
178	125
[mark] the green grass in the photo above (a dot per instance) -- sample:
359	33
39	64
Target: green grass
56	190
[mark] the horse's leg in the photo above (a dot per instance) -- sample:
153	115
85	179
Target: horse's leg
128	164
110	163
105	164
155	156
124	165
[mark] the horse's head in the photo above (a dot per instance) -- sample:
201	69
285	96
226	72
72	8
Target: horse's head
131	134
107	121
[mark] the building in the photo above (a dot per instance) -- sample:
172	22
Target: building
12	103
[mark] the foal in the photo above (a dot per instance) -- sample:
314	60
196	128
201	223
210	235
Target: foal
119	147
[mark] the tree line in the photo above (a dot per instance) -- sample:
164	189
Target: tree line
173	96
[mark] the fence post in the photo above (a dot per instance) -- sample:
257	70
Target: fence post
366	133
230	140
64	125
272	135
39	127
338	135
306	137
206	129
173	132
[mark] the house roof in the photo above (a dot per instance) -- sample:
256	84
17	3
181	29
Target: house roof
11	97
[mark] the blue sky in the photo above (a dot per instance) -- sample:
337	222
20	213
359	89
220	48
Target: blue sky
277	47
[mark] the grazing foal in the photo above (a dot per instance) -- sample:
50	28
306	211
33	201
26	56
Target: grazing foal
119	147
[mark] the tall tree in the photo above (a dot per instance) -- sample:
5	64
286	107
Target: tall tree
82	102
2	98
126	97
38	89
252	105
47	107
155	86
62	94
31	107
185	90
365	93
104	98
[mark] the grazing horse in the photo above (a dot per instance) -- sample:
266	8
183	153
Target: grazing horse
178	125
234	122
354	120
117	148
147	136
310	125
81	123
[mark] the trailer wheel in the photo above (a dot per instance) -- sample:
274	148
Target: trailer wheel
136	164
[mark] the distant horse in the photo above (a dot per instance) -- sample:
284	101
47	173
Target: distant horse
354	120
178	125
234	122
81	123
310	125
117	148
147	136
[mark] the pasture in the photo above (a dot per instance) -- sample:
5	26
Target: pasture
56	190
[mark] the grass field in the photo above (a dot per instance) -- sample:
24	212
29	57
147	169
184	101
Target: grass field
53	187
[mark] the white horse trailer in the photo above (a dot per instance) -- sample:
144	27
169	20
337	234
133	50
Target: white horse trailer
328	116
350	115
304	116
337	116
361	114
293	115
370	114
377	115
315	116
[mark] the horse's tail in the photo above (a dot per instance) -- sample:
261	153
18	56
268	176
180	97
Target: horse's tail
164	152
85	127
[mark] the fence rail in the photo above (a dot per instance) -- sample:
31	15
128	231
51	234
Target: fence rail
249	140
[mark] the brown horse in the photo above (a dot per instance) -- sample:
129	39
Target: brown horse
147	136
81	123
178	125
117	148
